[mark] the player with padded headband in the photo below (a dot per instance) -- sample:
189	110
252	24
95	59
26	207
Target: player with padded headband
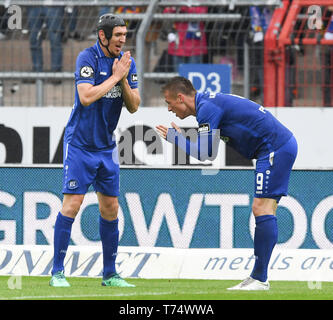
105	79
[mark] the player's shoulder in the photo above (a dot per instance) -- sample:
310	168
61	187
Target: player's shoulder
87	57
205	103
208	99
236	97
230	100
87	53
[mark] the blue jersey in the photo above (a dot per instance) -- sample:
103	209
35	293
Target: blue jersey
92	127
248	128
243	124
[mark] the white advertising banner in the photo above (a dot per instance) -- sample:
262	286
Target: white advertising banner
158	263
34	136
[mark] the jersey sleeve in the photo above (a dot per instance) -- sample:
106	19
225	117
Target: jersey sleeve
132	77
205	145
204	148
85	68
209	117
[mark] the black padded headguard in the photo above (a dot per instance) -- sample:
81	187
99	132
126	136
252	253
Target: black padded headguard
107	22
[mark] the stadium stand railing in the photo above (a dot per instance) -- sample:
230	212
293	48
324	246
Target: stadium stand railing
299	55
228	25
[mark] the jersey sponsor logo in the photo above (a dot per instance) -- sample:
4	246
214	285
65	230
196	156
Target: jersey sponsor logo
87	72
205	127
115	92
134	77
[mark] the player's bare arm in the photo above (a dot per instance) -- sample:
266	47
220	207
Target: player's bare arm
131	96
89	93
163	130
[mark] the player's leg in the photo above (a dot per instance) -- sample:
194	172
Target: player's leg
109	232
265	238
63	227
107	188
265	235
264	206
62	233
271	183
78	175
272	180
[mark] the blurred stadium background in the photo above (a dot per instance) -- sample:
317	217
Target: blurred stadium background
280	53
234	35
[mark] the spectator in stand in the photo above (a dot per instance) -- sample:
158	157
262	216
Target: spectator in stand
329	30
119	10
328	35
187	42
129	9
3	22
260	18
52	17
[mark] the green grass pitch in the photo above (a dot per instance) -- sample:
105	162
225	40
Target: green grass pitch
37	288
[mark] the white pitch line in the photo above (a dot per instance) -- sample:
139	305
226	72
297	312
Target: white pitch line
97	295
86	295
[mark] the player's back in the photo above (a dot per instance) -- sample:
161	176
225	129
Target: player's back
245	125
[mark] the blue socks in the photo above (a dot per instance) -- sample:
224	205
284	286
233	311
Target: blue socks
62	235
265	238
109	236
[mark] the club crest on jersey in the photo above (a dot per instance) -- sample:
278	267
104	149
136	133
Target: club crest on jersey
203	128
86	72
72	184
134	77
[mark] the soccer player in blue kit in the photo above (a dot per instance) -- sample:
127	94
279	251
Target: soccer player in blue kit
252	131
105	78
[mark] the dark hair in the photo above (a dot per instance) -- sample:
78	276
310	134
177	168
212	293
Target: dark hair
107	22
179	85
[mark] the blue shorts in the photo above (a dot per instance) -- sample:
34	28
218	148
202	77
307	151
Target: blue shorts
83	168
273	171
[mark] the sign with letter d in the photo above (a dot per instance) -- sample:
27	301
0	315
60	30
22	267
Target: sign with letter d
214	78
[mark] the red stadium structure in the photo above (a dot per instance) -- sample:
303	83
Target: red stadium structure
298	60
